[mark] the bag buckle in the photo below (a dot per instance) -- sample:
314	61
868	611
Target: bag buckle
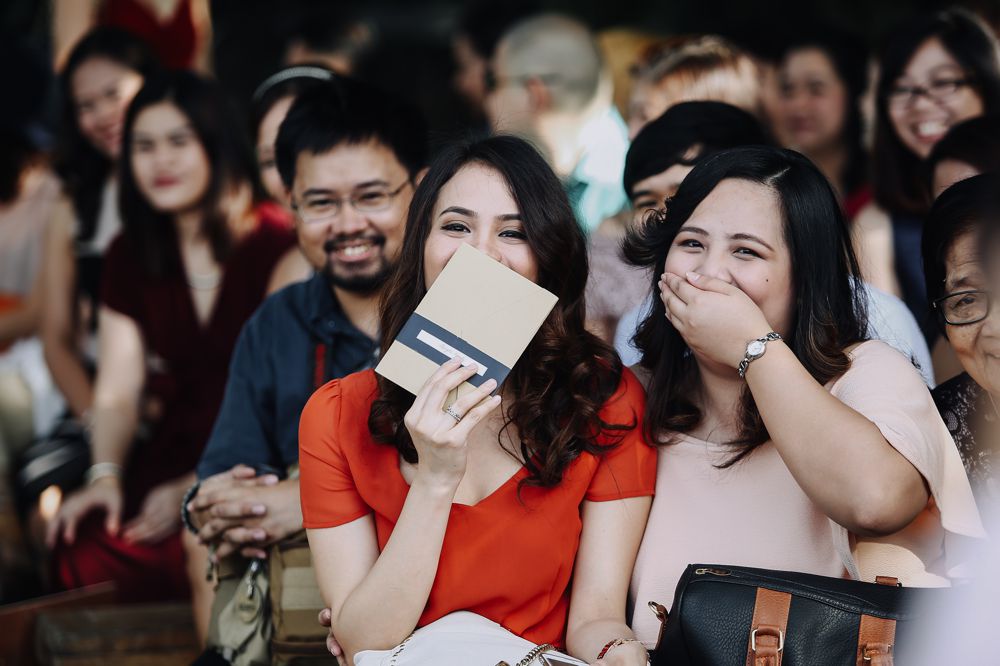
770	632
872	649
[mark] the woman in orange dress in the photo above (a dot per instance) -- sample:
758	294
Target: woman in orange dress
414	512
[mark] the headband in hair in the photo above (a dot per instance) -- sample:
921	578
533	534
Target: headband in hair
298	72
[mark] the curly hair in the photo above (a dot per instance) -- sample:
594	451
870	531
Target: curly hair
558	387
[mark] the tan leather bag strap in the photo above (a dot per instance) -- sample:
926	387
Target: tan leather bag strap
767	630
876	635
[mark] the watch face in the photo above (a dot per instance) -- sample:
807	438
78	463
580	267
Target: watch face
755	348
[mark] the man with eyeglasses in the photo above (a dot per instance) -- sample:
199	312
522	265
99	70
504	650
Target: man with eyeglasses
350	157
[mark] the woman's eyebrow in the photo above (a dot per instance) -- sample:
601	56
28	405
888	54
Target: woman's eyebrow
751	237
694	230
459	210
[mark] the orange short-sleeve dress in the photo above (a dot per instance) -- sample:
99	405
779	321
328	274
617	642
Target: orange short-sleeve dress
506	558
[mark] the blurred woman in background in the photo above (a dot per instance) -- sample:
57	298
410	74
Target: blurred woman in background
936	71
191	265
103	73
818	113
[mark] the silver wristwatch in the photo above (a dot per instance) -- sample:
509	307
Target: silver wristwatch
756	349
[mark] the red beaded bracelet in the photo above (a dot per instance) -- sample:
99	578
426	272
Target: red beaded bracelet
613	644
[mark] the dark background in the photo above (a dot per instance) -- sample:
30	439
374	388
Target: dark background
413	56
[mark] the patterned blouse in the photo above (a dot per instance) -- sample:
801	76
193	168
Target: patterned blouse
968	412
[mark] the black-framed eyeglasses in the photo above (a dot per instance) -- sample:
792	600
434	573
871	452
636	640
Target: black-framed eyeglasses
963	307
320	208
939	90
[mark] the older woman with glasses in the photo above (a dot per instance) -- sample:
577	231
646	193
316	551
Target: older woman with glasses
960	298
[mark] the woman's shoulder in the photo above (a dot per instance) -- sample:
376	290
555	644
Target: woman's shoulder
877	368
350	392
338	405
123	257
878	354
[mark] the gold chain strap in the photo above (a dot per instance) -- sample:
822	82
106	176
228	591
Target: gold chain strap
531	656
394	657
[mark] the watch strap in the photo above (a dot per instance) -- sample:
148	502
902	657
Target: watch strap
748	358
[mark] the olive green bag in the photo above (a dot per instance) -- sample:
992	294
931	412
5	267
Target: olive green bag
266	611
240	627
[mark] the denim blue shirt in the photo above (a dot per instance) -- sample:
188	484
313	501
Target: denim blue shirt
274	371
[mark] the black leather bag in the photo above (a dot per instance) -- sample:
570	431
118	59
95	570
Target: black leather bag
60	459
738	616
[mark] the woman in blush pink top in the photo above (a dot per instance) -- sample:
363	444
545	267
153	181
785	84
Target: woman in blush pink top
787	441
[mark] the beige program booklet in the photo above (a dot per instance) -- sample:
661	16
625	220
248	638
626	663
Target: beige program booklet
478	309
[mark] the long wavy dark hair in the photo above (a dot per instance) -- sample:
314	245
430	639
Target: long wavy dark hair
84	169
231	165
829	314
898	178
566	375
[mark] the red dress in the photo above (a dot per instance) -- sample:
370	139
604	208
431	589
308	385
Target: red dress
186	370
509	557
174	41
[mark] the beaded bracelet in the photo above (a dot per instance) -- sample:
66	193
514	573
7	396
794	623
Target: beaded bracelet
610	645
102	469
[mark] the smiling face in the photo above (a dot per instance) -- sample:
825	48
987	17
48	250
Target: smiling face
355	249
922	122
102	90
736	235
976	345
812	107
169	162
476	207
